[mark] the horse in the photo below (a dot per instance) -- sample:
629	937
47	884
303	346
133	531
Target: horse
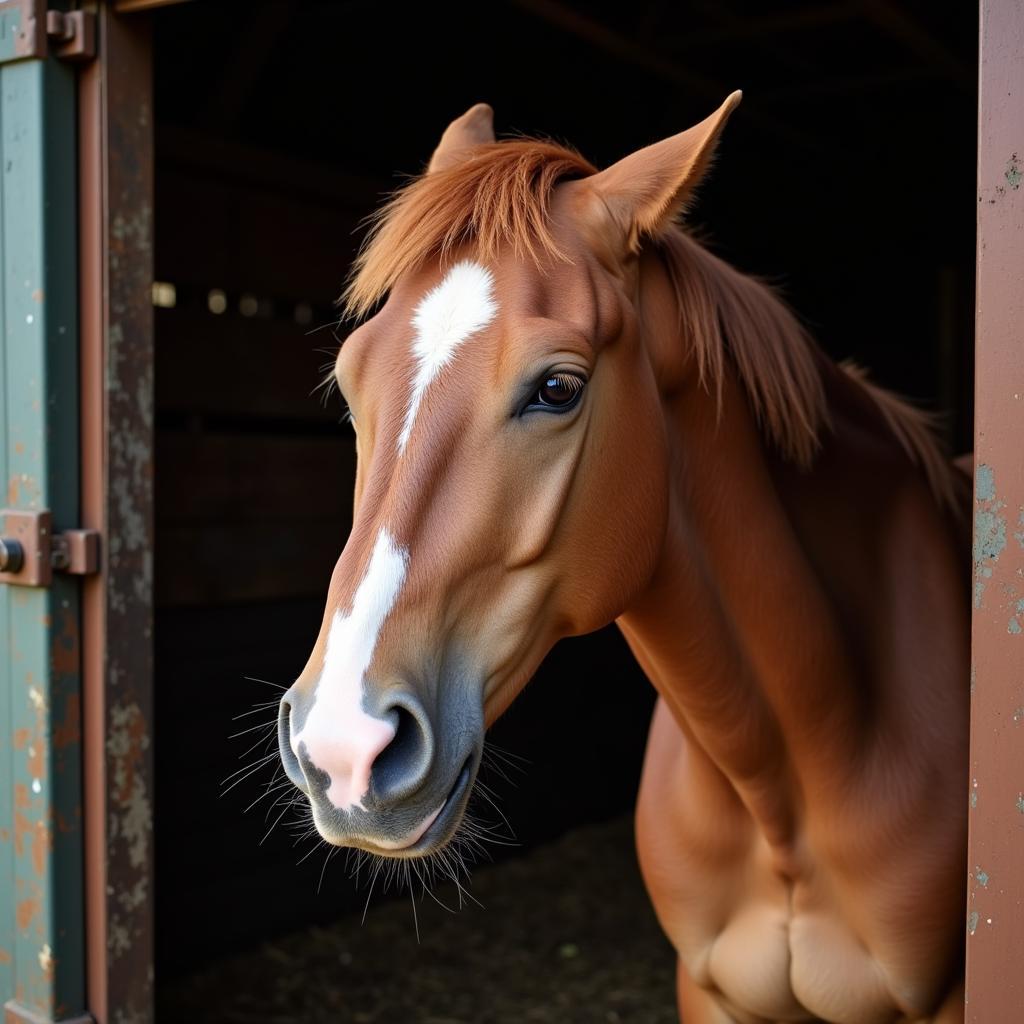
569	412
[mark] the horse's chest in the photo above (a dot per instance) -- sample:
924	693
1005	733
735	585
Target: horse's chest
783	953
771	950
769	946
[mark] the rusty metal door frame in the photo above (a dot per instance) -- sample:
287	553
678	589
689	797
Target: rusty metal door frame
995	908
116	257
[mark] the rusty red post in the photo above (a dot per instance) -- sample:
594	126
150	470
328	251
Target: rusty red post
995	909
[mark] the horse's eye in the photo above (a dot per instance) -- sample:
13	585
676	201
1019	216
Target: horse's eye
559	392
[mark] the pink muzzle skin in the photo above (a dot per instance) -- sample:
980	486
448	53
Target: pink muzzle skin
345	750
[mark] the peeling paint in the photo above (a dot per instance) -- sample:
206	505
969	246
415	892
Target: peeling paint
1013	172
1013	627
25	912
42	846
972	922
64	649
984	483
981	877
990	534
989	530
125	744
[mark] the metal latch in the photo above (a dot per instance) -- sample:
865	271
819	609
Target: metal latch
30	552
29	31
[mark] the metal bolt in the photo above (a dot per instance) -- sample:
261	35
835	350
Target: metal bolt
12	555
59	26
60	557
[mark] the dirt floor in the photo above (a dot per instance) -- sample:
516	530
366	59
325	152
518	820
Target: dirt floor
564	935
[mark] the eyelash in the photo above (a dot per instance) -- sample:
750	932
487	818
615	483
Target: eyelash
575	383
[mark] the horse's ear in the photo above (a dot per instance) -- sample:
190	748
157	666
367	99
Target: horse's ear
474	128
649	188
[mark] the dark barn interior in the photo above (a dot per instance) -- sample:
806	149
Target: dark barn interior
846	178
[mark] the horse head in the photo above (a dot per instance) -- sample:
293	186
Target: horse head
512	464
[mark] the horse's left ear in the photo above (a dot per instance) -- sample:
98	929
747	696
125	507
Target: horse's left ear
649	188
474	128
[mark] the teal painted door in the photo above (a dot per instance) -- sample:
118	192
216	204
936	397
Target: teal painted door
41	902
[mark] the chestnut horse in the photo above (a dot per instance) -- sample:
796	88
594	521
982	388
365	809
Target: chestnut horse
570	413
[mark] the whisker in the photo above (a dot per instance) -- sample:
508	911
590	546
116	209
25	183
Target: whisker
369	895
412	899
257	709
253	728
263	741
272	788
331	851
249	769
265	682
284	811
310	852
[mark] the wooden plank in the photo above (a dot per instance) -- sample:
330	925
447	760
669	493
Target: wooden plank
181	148
233	562
232	232
254	478
231	365
995	910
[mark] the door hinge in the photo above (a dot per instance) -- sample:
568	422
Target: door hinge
28	31
30	552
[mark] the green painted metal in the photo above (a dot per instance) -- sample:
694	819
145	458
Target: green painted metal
22	29
10	24
41	891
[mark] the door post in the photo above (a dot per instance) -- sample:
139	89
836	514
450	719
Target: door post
116	246
41	893
995	907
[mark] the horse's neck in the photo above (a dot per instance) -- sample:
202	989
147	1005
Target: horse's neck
735	630
750	629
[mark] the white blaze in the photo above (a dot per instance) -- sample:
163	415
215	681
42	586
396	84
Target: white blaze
462	304
341	738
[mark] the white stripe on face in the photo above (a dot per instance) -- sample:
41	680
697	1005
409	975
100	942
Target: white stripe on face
462	304
341	738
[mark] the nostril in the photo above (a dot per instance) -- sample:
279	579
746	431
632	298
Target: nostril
289	761
400	767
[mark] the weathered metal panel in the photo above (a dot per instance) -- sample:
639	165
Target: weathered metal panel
116	153
995	911
41	896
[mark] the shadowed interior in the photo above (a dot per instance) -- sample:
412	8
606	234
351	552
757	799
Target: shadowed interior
278	231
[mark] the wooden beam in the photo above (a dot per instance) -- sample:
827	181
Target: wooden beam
132	6
764	26
247	54
268	168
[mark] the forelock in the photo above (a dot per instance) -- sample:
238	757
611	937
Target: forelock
498	197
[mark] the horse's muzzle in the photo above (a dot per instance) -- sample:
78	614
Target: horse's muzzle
395	782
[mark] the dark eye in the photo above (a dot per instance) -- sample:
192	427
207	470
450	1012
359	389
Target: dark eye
559	392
